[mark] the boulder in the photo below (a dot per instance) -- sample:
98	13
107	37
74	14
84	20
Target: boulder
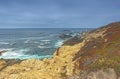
64	36
3	51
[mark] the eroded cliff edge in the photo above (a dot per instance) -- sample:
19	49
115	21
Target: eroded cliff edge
77	58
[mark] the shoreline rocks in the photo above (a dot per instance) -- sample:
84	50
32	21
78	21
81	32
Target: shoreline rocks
3	51
64	36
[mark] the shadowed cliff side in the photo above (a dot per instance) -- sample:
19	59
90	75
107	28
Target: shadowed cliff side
80	57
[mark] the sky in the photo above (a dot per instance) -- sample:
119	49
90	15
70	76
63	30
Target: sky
58	13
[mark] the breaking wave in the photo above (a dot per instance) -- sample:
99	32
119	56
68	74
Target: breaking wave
20	54
59	43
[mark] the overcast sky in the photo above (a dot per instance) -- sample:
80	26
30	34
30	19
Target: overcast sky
58	13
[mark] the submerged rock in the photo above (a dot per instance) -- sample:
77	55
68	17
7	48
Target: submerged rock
3	51
64	36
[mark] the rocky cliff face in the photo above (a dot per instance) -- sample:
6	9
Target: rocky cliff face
81	57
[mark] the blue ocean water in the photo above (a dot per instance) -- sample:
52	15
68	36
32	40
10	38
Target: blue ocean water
33	43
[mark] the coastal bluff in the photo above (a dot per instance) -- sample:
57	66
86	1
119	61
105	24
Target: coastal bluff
94	55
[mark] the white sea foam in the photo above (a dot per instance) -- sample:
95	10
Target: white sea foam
46	40
19	54
41	47
59	43
26	57
4	43
12	52
26	41
41	44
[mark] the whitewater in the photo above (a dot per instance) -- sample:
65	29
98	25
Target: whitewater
32	43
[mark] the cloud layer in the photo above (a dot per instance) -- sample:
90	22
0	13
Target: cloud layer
58	13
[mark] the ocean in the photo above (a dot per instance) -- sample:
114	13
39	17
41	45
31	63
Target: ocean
30	43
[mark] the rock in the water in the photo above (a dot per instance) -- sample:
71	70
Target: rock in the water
3	51
64	36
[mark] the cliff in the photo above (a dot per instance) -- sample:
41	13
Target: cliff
81	57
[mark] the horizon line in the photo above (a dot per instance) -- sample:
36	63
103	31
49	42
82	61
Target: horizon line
49	28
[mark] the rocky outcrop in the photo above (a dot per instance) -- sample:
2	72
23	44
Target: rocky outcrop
64	36
78	58
2	64
3	51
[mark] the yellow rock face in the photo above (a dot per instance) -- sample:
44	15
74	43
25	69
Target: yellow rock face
56	68
2	64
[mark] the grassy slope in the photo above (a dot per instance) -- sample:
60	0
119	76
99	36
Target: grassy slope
102	52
